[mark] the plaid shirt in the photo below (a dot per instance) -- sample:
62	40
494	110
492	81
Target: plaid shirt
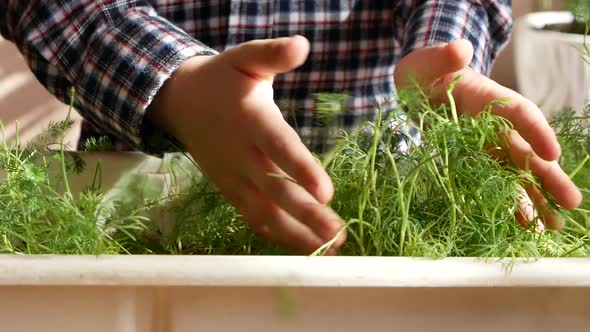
118	53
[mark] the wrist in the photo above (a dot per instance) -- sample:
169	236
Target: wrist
167	108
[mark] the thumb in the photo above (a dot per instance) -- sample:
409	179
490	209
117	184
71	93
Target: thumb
265	58
428	64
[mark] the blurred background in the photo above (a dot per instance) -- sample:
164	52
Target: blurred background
24	101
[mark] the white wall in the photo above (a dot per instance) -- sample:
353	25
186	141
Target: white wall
504	69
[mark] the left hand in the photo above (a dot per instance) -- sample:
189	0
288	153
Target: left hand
531	144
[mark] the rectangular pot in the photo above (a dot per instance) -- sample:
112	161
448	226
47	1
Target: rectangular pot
276	293
283	293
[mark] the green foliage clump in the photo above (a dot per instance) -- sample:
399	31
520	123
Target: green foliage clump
207	225
38	212
573	132
443	196
447	196
36	218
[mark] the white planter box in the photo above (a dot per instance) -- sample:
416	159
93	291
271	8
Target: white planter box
229	293
276	293
550	70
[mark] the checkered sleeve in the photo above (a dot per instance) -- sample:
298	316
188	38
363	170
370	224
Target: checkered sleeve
116	54
487	24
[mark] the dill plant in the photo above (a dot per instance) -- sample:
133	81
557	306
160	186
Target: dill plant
39	214
444	196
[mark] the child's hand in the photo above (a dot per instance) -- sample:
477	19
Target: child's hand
222	109
532	144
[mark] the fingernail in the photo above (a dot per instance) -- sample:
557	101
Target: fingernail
540	227
553	220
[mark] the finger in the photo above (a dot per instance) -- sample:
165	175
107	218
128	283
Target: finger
553	178
548	216
431	63
277	140
526	211
268	220
295	200
265	58
526	118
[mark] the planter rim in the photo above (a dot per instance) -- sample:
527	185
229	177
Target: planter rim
537	20
290	271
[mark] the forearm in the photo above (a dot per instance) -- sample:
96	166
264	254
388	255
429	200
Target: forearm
170	103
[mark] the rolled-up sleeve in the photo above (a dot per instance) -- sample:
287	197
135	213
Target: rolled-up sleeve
116	54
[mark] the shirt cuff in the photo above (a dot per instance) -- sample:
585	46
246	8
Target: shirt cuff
144	51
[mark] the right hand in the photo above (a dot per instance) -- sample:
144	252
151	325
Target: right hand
222	109
531	145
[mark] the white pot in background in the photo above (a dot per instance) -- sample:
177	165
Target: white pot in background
550	70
